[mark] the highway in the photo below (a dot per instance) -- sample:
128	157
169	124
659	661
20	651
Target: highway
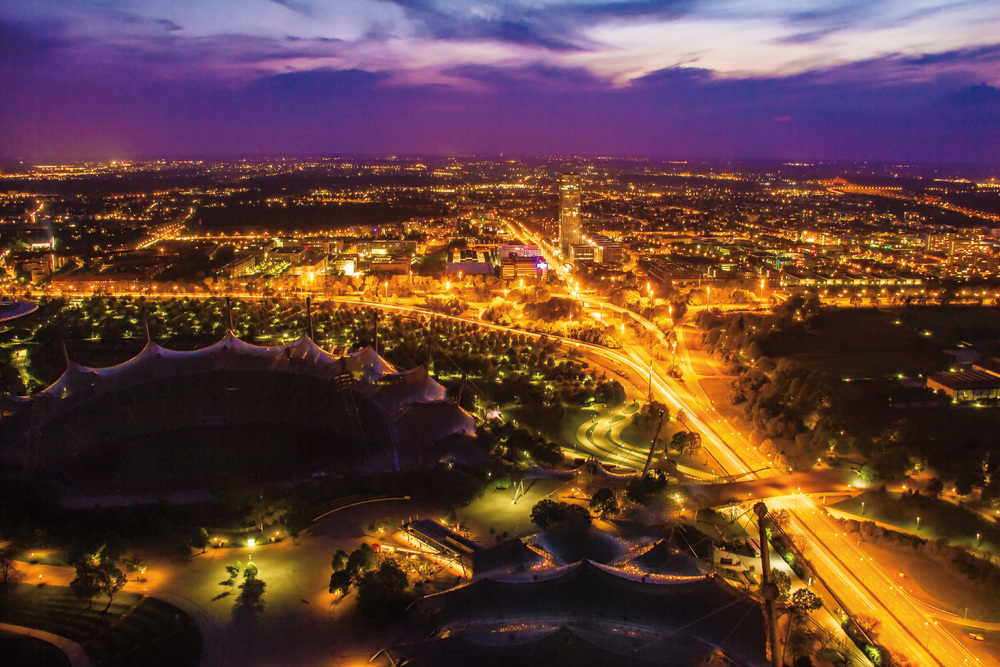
861	585
856	580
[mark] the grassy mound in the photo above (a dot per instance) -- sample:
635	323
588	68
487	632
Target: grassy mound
135	629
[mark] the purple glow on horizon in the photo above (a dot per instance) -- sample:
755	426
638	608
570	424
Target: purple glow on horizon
914	81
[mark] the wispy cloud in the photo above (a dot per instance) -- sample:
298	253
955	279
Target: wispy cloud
26	45
547	75
297	7
429	40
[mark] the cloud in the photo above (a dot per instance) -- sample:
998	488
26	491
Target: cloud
623	11
534	109
980	94
556	27
501	75
531	76
168	25
497	22
297	7
23	45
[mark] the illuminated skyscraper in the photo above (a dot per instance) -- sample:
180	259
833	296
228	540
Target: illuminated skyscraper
570	186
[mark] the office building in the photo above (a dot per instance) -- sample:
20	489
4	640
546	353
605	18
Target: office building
570	187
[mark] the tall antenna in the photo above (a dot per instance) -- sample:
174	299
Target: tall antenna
309	314
768	589
229	310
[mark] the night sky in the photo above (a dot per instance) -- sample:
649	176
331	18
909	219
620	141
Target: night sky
888	80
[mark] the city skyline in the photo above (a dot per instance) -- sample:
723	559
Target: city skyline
747	365
850	81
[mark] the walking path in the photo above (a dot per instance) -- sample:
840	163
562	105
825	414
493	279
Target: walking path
75	653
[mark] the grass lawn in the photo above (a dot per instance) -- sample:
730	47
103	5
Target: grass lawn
153	633
718	390
956	425
713	523
950	325
21	650
928	581
866	342
563	433
938	518
871	364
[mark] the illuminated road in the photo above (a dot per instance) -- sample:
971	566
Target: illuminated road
864	588
167	232
601	438
860	584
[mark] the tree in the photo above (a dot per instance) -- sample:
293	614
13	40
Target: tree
642	488
361	560
97	574
868	473
782	581
575	517
681	418
868	624
693	443
86	585
234	571
379	525
382	592
200	540
934	488
111	580
135	564
778	517
547	513
9	574
679	441
603	502
339	560
804	601
732	513
250	572
340	582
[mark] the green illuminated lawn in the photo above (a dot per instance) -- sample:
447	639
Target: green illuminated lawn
154	633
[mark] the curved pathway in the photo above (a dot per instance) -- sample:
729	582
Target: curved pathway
77	656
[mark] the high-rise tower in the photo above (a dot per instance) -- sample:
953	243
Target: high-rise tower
570	186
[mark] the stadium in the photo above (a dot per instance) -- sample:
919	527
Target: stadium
168	420
549	603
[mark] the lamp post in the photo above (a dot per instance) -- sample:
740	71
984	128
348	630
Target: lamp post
650	398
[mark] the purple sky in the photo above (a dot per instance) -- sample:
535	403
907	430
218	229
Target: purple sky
906	80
